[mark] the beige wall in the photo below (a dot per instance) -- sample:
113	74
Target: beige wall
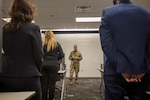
89	46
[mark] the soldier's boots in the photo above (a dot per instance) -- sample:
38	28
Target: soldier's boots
76	81
70	82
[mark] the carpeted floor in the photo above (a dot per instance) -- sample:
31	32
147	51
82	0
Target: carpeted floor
86	89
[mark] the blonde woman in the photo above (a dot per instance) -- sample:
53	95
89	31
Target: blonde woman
52	53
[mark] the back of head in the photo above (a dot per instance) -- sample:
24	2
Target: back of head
116	1
49	35
49	41
20	11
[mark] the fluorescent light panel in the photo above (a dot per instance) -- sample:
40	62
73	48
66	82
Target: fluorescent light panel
8	20
88	19
70	29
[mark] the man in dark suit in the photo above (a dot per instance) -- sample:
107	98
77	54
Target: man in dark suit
125	39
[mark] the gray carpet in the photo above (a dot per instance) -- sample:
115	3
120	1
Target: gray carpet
86	89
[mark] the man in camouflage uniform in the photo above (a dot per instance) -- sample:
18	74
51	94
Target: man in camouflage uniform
75	57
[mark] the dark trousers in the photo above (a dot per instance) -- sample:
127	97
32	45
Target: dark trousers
48	81
11	84
116	87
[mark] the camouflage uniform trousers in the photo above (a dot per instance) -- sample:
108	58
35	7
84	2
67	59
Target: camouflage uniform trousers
74	67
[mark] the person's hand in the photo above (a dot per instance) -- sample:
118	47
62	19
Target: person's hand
75	58
139	77
127	77
132	77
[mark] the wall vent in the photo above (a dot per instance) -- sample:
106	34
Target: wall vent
80	9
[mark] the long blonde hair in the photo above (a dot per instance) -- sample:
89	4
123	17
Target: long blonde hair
49	41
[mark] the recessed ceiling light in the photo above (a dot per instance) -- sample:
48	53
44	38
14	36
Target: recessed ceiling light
88	19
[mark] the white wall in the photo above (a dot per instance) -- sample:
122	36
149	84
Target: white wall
89	46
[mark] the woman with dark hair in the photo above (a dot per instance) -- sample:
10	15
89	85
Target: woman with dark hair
52	54
22	49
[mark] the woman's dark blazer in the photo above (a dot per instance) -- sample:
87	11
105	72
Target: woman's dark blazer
52	57
22	51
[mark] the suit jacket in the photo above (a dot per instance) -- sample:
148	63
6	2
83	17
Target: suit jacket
125	37
22	51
